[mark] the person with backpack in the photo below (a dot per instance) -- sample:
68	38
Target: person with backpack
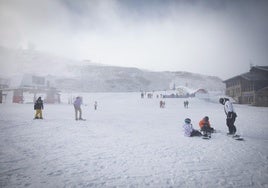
189	130
230	115
38	107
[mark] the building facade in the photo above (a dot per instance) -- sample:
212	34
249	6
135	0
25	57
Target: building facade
249	88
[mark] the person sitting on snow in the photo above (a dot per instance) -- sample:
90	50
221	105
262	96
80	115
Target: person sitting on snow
189	130
204	125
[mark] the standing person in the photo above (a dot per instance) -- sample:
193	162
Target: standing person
230	115
77	108
95	105
38	106
162	104
188	129
205	127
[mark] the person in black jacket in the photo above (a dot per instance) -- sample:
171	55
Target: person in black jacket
38	106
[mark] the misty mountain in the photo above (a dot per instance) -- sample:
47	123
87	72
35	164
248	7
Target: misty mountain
70	75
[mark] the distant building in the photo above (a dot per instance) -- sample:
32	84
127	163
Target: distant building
4	83
249	88
34	86
200	93
38	82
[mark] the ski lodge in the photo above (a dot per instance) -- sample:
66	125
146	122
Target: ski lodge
249	88
30	88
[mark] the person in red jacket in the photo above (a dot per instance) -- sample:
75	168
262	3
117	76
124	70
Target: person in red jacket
204	125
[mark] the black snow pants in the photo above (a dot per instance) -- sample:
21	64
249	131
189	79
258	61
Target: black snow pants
231	116
195	133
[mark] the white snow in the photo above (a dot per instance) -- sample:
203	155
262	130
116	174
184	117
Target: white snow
130	142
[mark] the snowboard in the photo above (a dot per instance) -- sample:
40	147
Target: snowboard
38	118
236	137
80	119
206	136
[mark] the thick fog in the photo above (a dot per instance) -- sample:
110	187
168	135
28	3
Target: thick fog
220	38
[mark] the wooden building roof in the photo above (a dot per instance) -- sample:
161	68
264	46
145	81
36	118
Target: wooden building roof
257	73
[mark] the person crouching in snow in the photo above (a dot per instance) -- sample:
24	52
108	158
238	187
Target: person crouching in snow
38	106
205	127
189	130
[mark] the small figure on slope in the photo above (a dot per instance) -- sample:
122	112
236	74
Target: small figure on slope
186	104
95	105
38	106
162	104
230	115
189	130
205	127
77	108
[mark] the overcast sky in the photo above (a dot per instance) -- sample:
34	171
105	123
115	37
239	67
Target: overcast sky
212	37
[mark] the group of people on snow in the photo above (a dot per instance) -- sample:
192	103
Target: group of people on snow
204	124
186	104
39	106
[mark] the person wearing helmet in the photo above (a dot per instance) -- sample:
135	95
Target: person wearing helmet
189	130
230	114
204	125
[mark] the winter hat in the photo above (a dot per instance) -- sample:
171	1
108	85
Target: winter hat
187	120
206	118
221	100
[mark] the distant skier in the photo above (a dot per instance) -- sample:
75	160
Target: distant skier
205	127
95	105
230	115
162	104
142	95
188	129
38	107
186	103
77	108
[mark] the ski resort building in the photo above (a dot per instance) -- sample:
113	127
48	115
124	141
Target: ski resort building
30	88
4	83
249	88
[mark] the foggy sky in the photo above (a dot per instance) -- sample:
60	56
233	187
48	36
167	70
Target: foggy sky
213	37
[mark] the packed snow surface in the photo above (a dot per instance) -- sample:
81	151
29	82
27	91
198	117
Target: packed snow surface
130	142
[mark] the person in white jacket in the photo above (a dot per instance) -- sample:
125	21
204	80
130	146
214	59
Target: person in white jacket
230	115
188	129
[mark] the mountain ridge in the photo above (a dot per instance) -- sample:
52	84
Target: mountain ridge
71	75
